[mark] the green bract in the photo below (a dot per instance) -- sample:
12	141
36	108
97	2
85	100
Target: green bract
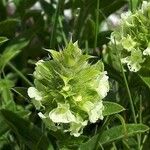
68	90
132	38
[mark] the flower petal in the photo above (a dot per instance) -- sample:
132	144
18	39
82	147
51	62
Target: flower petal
76	128
62	114
128	43
146	51
103	86
94	110
34	93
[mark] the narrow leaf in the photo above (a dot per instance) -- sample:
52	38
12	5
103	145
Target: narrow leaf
134	4
26	131
3	126
146	80
3	39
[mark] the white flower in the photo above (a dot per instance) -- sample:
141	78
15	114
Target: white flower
62	114
128	43
34	93
42	116
134	61
94	110
125	60
76	128
146	51
125	15
62	87
39	62
36	96
126	18
145	6
103	85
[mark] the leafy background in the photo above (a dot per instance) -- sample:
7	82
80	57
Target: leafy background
27	27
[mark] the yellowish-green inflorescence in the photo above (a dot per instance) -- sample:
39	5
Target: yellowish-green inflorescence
68	90
132	38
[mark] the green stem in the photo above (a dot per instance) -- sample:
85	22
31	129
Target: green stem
97	25
144	140
107	120
19	73
13	89
140	120
127	147
127	88
129	95
86	47
100	146
53	34
114	146
140	115
131	5
63	34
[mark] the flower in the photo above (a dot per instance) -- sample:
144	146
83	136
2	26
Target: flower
94	110
69	91
103	85
128	43
76	128
145	6
34	93
133	62
62	114
147	51
36	96
132	38
125	15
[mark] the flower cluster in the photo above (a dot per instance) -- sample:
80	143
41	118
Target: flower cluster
132	38
68	90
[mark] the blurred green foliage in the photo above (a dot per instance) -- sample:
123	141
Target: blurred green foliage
29	26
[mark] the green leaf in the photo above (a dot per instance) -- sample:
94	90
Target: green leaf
144	74
27	3
119	132
146	80
48	8
3	13
22	5
113	134
8	27
3	126
3	39
67	141
26	131
11	51
111	108
5	91
106	9
22	92
134	4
